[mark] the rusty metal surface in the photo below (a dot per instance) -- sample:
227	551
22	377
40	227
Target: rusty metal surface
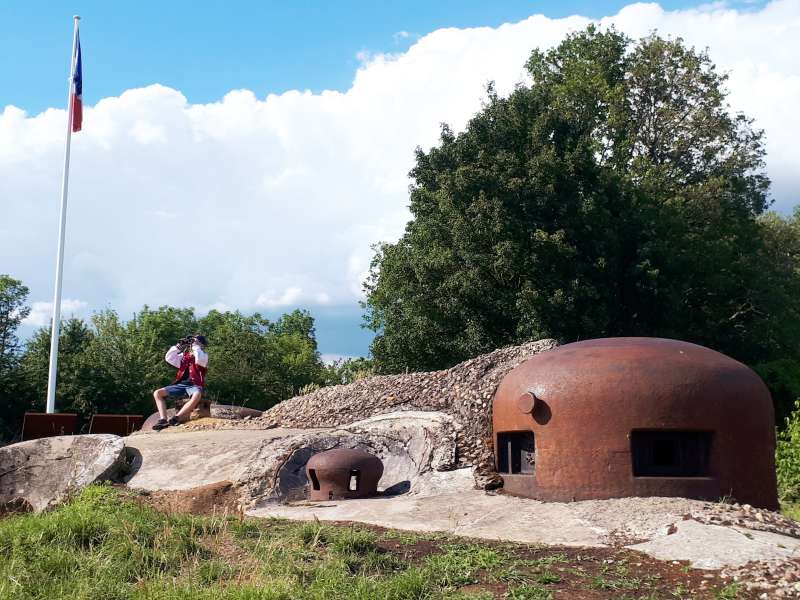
39	425
121	425
588	397
333	474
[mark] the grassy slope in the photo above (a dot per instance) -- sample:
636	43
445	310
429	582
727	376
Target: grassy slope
791	510
104	545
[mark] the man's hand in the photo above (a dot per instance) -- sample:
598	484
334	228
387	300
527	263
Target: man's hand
183	343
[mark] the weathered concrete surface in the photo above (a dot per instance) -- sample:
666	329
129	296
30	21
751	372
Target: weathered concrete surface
178	460
269	465
409	443
43	472
447	502
450	504
715	546
424	493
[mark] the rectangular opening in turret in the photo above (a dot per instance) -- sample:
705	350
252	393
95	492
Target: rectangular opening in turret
671	453
314	481
355	476
516	452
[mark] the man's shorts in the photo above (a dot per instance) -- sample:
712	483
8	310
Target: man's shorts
178	391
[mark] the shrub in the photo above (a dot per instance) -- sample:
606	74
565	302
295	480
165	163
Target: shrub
787	458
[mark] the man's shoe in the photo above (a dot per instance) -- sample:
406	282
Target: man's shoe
161	424
173	421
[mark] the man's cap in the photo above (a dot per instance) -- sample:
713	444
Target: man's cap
201	339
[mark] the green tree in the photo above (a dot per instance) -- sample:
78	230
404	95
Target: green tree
615	195
73	379
13	392
13	311
257	363
777	285
347	370
126	359
112	366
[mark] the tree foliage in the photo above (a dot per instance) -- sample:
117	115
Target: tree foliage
617	194
257	362
348	370
112	366
787	458
13	311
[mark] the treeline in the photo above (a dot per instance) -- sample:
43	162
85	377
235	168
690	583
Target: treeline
107	365
615	194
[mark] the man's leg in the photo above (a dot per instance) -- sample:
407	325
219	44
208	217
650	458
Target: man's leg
160	396
187	408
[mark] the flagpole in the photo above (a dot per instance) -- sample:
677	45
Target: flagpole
56	325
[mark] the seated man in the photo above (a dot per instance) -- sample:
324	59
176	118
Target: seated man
189	356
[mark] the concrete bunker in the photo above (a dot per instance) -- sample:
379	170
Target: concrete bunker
621	417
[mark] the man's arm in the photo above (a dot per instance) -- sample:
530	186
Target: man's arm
173	357
200	356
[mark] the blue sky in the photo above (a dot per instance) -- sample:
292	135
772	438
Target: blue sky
214	117
206	49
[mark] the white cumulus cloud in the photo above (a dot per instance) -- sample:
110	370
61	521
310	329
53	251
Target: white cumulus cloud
291	296
42	312
275	201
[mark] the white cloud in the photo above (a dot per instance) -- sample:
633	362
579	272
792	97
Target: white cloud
330	359
275	201
291	296
402	36
42	312
218	306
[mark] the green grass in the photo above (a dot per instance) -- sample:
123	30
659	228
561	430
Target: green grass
729	592
105	545
530	592
791	510
617	577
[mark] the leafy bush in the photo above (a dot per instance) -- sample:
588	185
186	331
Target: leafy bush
787	458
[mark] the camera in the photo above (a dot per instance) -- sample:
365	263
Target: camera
184	342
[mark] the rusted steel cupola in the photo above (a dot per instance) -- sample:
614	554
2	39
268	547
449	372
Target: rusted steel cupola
635	417
343	473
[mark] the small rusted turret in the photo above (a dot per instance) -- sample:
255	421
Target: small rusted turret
342	474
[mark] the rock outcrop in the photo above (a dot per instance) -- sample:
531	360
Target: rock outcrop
411	444
41	473
464	392
269	465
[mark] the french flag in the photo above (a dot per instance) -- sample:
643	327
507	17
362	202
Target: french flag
77	88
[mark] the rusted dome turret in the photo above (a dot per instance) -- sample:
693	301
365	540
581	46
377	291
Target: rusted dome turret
343	473
635	417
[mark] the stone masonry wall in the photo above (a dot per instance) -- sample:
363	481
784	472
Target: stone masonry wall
464	392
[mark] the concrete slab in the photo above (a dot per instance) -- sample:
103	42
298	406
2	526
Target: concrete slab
715	546
446	502
471	514
182	460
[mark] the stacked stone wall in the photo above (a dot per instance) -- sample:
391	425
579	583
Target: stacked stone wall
464	392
